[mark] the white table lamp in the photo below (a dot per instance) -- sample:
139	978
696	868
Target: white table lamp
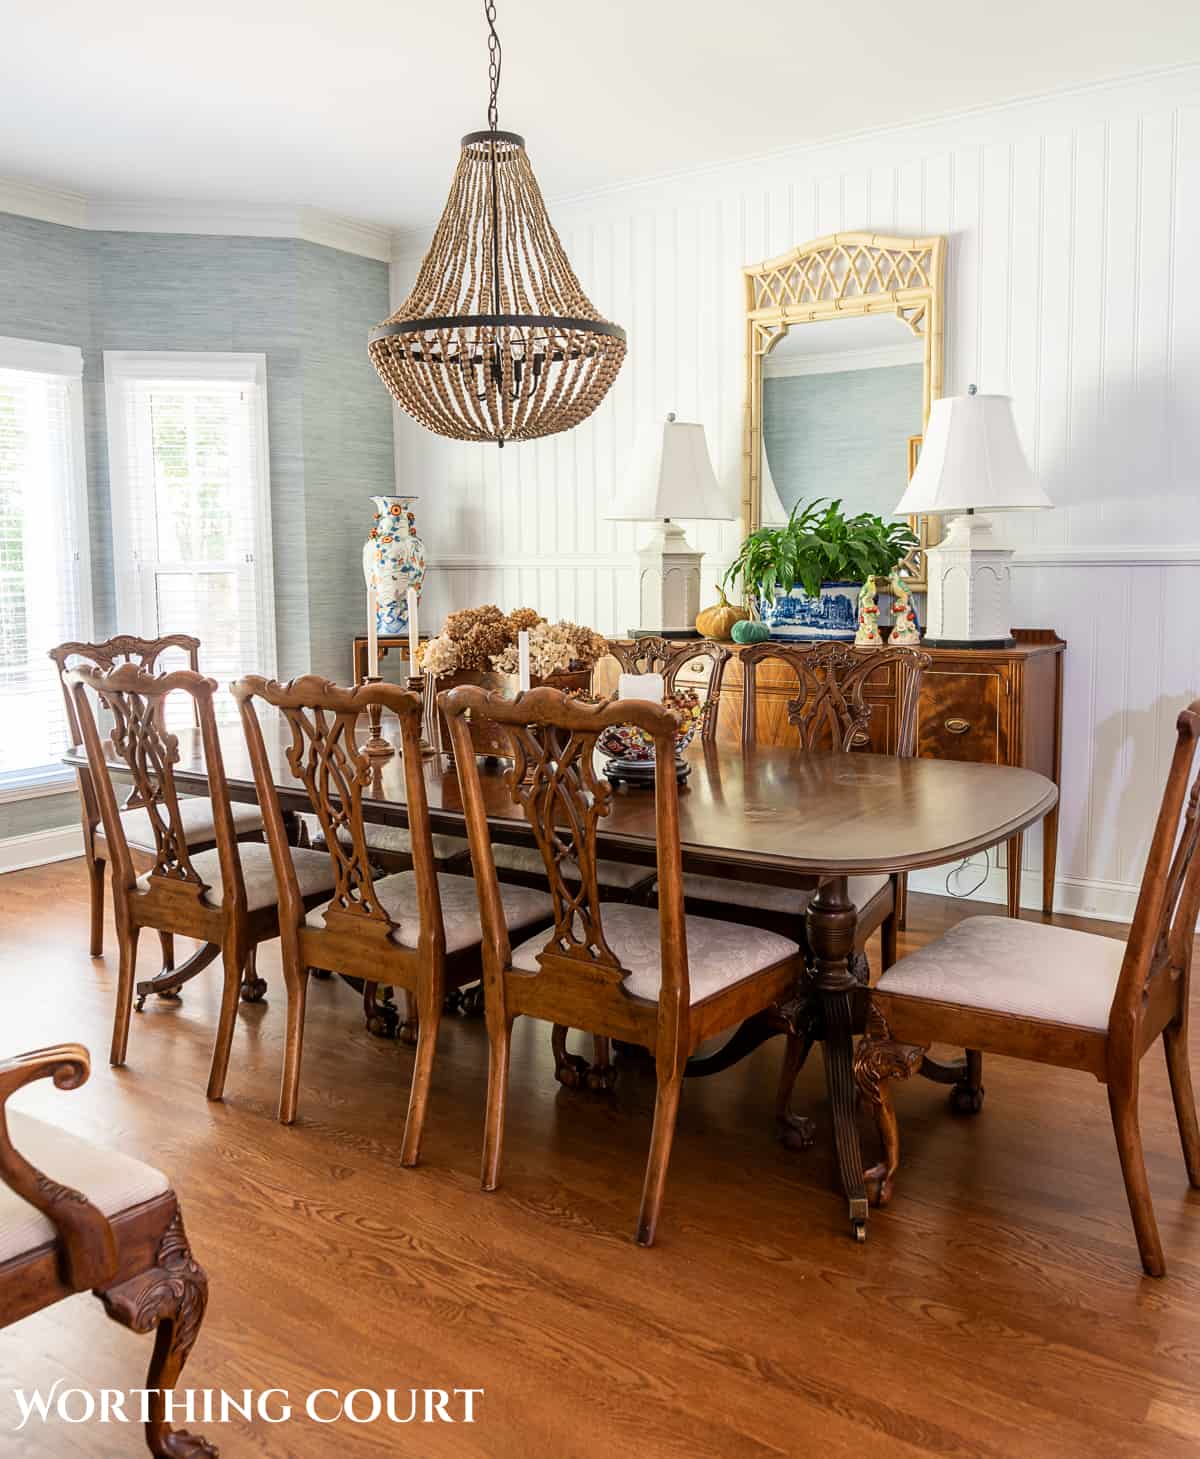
971	461
670	475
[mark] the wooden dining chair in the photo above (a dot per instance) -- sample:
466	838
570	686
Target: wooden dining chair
829	711
77	1218
651	976
1054	995
415	929
196	811
225	897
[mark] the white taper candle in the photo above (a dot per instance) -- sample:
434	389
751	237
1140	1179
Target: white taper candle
372	632
414	634
523	659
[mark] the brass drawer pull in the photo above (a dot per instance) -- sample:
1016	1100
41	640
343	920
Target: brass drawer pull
860	737
958	726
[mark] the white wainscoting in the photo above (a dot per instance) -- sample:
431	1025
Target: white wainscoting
1072	222
36	848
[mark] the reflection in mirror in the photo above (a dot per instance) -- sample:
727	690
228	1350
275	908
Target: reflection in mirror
841	399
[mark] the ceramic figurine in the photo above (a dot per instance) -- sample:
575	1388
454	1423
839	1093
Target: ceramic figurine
905	628
394	558
868	617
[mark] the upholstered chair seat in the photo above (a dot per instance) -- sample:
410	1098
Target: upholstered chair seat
772	899
1025	969
398	841
397	895
720	954
620	875
111	1181
313	871
196	814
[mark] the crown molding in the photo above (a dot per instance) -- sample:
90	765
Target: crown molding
883	357
232	220
49	204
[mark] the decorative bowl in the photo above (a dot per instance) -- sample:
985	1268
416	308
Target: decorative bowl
630	750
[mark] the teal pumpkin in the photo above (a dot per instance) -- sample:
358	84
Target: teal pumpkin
750	630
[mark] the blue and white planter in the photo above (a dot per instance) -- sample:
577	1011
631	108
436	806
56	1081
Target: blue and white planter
796	618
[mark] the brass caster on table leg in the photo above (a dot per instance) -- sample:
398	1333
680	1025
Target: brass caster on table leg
858	1219
860	1231
601	1078
383	1023
797	1132
966	1100
572	1071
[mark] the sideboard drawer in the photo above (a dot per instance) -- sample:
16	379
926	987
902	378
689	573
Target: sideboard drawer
962	715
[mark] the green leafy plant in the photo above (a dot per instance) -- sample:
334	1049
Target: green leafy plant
819	544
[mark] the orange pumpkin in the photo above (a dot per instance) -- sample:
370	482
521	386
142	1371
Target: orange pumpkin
717	621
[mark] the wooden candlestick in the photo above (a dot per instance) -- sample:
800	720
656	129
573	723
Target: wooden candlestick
376	746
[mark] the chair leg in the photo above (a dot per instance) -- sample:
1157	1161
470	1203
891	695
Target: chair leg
499	1044
571	1070
1124	1106
429	1018
878	1060
254	988
95	868
128	939
1179	1070
168	1299
889	939
233	959
166	941
666	1111
796	1131
296	980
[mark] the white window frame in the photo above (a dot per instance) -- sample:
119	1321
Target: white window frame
121	369
43	358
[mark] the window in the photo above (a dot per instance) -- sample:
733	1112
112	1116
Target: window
45	592
188	464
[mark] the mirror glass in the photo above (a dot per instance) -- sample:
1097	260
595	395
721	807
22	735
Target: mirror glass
842	400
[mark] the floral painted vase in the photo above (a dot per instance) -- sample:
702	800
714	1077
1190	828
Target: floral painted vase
394	561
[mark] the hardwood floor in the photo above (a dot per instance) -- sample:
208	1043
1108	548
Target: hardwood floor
998	1308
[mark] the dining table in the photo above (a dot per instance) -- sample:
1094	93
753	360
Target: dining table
772	815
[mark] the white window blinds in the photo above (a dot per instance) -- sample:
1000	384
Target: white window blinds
191	513
45	594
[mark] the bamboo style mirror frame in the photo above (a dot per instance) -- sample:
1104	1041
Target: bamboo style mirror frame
845	275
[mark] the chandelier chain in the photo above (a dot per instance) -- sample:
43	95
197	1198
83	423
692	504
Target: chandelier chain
494	62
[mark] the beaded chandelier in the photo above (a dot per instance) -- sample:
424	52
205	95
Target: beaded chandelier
497	340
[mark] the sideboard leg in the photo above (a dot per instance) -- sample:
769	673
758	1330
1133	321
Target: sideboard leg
831	922
1016	845
1049	859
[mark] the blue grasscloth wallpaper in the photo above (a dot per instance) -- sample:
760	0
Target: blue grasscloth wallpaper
842	435
308	309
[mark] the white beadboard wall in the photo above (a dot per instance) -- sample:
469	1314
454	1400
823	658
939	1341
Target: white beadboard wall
1072	220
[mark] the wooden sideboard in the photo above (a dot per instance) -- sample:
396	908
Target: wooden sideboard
993	706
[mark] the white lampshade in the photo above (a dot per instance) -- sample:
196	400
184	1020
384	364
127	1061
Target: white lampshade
971	459
670	475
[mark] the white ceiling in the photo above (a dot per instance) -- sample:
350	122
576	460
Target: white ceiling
357	106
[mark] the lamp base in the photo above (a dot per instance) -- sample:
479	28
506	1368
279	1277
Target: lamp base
969	584
929	642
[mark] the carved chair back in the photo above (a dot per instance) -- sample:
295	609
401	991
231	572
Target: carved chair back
106	656
553	778
321	721
1156	971
659	656
136	702
830	711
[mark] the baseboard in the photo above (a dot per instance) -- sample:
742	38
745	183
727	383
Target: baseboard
36	848
1108	901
